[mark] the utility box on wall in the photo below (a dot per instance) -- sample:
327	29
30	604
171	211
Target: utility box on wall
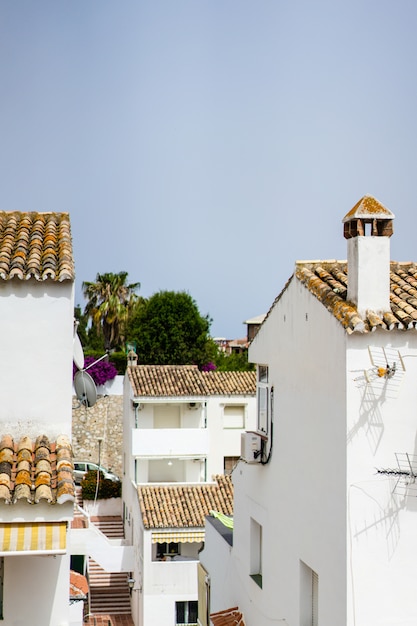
251	443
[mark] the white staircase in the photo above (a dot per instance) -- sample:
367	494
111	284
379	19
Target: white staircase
109	592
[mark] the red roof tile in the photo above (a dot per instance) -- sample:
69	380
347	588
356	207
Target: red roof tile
36	471
228	617
188	381
36	245
184	506
327	281
78	585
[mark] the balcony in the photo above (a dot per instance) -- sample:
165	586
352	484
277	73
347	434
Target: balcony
167	442
172	576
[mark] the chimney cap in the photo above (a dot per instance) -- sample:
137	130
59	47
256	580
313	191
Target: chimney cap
368	208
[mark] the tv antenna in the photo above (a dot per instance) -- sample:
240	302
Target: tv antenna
386	371
405	473
386	363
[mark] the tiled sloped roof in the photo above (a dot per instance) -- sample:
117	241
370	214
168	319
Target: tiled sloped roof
188	380
230	383
184	506
35	472
166	380
327	281
229	617
35	245
78	586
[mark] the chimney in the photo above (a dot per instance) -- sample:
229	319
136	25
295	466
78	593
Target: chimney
368	228
132	359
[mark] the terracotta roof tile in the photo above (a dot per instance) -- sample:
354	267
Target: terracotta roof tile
230	383
327	281
188	381
229	617
36	245
78	585
184	506
36	471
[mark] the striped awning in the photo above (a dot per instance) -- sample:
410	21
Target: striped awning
194	536
33	538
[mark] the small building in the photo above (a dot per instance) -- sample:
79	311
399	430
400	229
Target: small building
181	427
36	480
184	425
325	510
169	527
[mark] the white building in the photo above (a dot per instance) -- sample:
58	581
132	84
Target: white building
181	427
184	425
326	514
36	482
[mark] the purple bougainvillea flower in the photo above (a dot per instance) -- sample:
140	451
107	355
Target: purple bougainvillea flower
101	372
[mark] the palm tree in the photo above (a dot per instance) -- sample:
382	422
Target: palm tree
109	302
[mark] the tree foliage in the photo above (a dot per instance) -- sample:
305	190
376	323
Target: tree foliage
110	300
169	330
235	362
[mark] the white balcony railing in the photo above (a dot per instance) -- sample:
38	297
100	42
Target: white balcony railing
166	442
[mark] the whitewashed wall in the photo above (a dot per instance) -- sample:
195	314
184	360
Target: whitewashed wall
381	528
37	576
37	347
299	498
320	500
212	442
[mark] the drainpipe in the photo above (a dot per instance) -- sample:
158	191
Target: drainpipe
136	408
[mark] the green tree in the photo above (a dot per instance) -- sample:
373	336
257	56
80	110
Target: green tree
82	325
169	330
110	300
235	362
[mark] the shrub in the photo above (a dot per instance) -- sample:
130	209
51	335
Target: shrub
106	488
101	372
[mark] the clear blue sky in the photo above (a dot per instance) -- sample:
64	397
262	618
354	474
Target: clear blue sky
205	145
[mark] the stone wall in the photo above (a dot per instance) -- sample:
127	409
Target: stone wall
104	419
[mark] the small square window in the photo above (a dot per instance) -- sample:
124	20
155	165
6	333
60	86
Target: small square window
229	464
234	416
186	612
262	373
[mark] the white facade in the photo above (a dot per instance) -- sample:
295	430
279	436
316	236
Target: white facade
36	344
332	540
36	368
183	439
173	440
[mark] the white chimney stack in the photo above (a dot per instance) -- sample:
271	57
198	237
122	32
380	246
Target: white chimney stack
368	228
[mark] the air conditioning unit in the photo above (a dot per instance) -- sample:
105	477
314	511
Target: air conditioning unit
251	447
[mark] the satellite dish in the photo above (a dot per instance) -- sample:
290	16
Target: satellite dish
85	388
78	353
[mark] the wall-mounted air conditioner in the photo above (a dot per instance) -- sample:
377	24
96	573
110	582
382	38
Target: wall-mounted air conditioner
251	447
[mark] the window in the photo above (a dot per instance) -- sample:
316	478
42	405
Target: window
167	549
234	416
256	552
186	612
309	596
263	398
229	464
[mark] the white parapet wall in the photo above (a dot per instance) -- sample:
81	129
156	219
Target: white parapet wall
103	508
